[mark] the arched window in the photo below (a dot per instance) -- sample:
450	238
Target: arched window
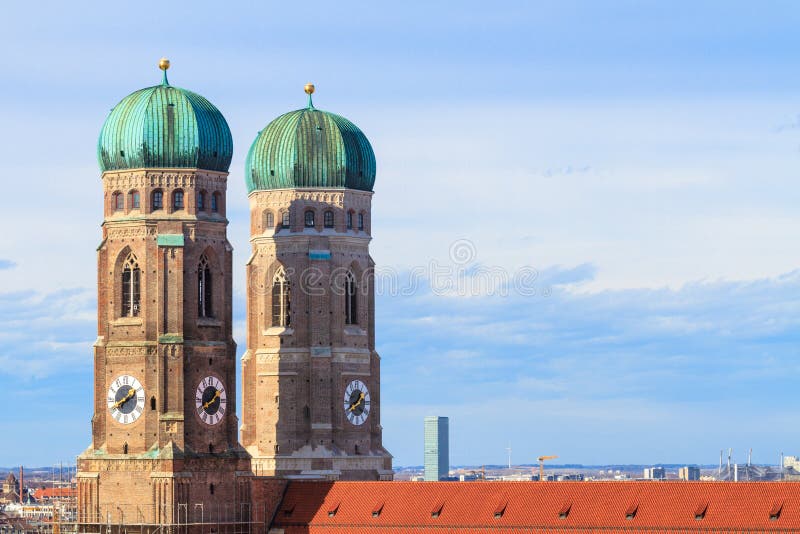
328	219
201	201
361	221
309	219
215	202
285	219
269	220
281	299
158	199
351	299
118	201
177	200
134	200
204	293
349	220
130	286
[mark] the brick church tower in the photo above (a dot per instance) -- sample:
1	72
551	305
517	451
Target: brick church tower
164	431
311	375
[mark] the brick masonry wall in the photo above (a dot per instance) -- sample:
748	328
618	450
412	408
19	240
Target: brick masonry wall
294	378
169	459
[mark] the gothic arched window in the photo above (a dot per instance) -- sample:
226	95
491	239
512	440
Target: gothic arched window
201	201
119	202
349	220
177	200
281	299
269	220
130	286
215	202
361	221
351	299
285	219
158	199
328	219
309	219
134	200
204	291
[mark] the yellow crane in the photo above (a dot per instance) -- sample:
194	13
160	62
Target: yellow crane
541	465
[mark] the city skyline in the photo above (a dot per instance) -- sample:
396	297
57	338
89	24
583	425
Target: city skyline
636	162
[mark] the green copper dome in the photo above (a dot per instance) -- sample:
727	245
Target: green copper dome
165	127
310	148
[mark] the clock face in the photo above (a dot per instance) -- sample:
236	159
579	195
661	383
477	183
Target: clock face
211	400
126	399
356	402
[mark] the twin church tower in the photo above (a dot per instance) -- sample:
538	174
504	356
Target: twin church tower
165	432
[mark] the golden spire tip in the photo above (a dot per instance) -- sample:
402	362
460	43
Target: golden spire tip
163	64
309	88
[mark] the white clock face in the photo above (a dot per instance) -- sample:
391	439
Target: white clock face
211	400
356	402
126	399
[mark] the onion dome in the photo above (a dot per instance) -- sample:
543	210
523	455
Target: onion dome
310	148
165	127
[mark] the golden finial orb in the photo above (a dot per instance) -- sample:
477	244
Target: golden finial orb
163	63
309	88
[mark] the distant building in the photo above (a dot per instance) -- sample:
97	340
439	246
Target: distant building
655	473
43	495
10	490
689	473
437	448
791	462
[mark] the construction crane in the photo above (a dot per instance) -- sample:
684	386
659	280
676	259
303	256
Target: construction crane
541	465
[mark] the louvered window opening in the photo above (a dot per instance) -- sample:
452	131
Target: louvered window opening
281	300
130	287
204	289
351	299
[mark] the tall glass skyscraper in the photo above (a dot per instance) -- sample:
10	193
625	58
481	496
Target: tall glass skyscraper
437	447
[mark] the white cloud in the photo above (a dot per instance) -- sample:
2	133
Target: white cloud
46	334
651	364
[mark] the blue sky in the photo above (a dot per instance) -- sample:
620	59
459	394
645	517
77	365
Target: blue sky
641	158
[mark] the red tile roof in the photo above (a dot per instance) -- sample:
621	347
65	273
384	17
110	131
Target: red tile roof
54	493
504	507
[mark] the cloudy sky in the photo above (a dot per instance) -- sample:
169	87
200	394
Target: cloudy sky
586	213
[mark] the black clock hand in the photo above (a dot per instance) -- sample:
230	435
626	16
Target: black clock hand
125	399
209	403
355	405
